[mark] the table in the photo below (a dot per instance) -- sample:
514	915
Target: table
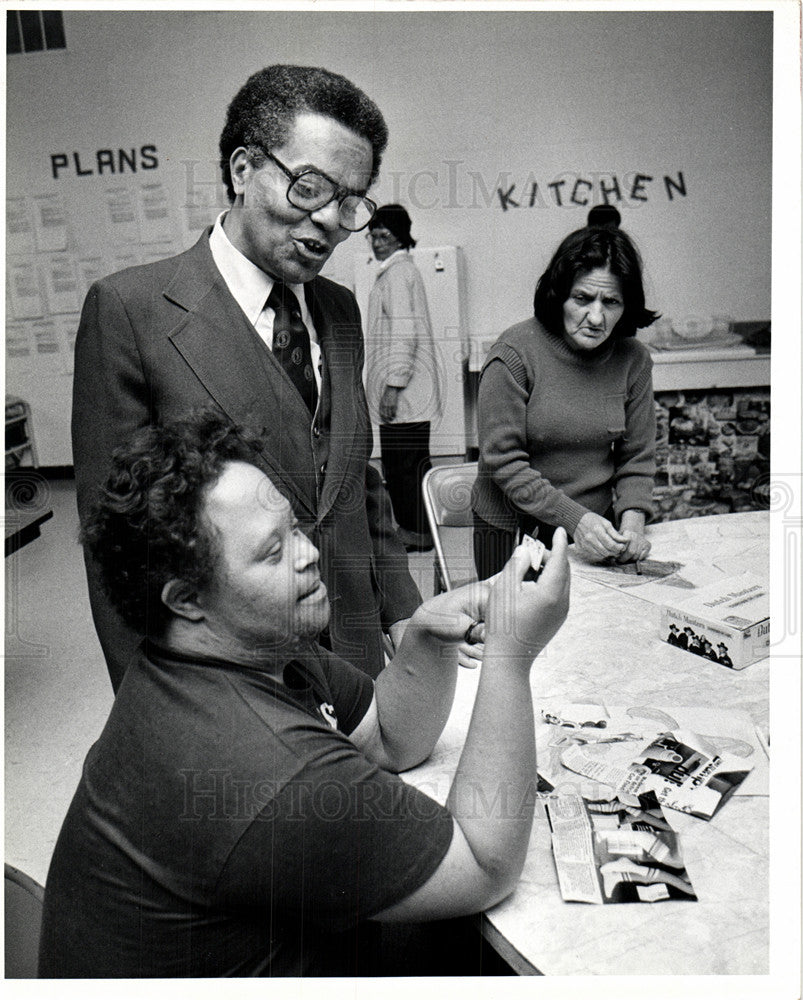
609	652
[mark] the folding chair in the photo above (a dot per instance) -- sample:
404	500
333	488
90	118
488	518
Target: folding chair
23	924
447	500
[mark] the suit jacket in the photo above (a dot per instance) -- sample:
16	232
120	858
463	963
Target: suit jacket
157	340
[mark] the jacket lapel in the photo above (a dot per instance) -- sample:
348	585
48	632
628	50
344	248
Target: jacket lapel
340	339
241	375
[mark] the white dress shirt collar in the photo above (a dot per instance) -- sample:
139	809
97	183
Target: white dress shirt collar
249	285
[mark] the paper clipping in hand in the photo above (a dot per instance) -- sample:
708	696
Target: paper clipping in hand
610	852
678	770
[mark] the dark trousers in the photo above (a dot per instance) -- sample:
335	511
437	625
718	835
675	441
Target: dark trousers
405	459
494	546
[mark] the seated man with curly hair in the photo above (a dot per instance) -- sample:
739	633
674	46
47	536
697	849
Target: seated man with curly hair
240	813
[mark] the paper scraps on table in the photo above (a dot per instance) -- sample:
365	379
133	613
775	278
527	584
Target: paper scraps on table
678	770
612	852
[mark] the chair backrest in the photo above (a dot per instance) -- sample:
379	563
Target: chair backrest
23	924
447	500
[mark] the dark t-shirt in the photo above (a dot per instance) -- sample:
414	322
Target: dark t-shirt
224	827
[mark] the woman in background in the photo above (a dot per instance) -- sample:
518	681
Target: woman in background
566	418
402	383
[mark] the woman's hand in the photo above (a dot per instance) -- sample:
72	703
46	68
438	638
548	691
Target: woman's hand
388	404
523	616
631	527
597	539
637	547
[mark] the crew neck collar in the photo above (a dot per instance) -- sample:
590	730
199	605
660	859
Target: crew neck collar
271	665
585	359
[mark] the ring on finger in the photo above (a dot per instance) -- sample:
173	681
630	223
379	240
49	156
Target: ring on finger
473	633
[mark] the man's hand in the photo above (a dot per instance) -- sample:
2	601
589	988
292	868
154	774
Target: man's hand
597	539
523	616
448	616
469	654
389	403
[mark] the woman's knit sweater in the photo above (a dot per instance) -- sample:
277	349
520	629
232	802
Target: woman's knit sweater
563	432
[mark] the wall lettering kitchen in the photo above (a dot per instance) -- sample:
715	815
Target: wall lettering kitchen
103	161
592	189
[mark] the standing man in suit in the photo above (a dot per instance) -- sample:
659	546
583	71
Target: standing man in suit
243	320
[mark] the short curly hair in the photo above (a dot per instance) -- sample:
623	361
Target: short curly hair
583	251
265	107
145	528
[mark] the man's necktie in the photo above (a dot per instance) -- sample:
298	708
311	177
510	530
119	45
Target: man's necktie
291	343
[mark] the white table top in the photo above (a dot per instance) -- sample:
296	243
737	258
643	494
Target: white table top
609	652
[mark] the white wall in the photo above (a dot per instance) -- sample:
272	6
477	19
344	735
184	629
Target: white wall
474	101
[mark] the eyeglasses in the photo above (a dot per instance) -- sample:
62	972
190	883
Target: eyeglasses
311	190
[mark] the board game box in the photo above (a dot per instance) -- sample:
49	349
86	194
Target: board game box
726	622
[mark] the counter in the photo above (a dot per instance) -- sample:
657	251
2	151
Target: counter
733	363
710	368
694	367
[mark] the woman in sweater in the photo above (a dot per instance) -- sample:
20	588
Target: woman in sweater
565	412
